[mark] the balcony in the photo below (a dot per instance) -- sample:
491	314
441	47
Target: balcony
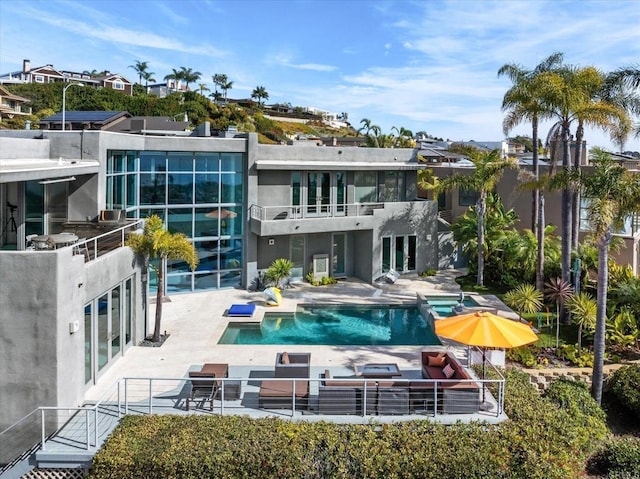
278	220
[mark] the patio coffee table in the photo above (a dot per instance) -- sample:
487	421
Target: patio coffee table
378	370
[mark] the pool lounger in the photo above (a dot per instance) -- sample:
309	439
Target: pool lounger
241	310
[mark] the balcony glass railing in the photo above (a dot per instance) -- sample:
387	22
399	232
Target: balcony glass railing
276	213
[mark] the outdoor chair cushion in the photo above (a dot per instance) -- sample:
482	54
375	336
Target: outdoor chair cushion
242	310
437	361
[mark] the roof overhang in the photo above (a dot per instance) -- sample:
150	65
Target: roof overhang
31	169
336	166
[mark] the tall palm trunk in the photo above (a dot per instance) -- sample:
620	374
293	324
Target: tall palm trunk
481	210
536	174
575	205
566	217
540	237
159	297
601	311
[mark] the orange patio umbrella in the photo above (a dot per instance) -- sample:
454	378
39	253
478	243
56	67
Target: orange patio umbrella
486	330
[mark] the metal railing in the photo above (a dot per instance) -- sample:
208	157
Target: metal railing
279	213
100	245
82	429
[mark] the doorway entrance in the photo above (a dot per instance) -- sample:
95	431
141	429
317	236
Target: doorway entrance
399	253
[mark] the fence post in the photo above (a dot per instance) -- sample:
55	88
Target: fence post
222	398
95	428
119	402
150	396
43	429
86	420
126	396
435	398
293	402
364	398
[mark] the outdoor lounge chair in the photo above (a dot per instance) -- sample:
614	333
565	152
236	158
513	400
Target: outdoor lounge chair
202	390
292	365
240	310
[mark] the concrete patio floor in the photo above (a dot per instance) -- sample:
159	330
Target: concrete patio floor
195	323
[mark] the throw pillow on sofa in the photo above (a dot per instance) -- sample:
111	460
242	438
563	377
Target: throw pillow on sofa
448	371
436	361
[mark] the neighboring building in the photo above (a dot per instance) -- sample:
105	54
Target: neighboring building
12	105
331	210
48	74
163	90
85	120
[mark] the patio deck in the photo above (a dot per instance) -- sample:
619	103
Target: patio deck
196	322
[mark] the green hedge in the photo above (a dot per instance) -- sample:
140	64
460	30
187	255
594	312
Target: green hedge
539	441
618	459
625	384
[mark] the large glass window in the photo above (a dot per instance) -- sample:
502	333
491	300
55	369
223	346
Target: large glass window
394	189
207	188
153	161
199	194
88	344
115	321
296	188
179	221
231	188
152	189
366	186
34	208
103	331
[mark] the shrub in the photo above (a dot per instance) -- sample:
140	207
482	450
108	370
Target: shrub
523	355
625	384
539	441
574	397
618	459
581	358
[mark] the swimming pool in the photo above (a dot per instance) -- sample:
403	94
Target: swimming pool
343	325
443	305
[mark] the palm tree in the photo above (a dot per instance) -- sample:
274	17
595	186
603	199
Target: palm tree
497	222
583	313
606	108
148	77
140	68
260	93
489	168
189	76
157	243
279	270
524	102
559	291
525	299
625	82
226	87
569	93
366	126
612	194
203	87
405	137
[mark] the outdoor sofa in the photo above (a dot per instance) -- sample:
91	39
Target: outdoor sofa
346	397
278	394
457	397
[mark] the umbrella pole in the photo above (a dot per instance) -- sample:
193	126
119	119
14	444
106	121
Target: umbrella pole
484	385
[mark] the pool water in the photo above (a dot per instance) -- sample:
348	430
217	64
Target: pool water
443	305
355	325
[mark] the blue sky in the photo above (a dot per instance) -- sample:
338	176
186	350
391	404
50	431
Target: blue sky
422	65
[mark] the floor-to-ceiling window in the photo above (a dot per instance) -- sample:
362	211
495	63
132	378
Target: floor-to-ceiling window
199	194
108	328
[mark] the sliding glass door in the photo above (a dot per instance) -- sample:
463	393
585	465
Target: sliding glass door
399	253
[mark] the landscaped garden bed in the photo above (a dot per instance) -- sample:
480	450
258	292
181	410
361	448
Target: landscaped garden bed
546	437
